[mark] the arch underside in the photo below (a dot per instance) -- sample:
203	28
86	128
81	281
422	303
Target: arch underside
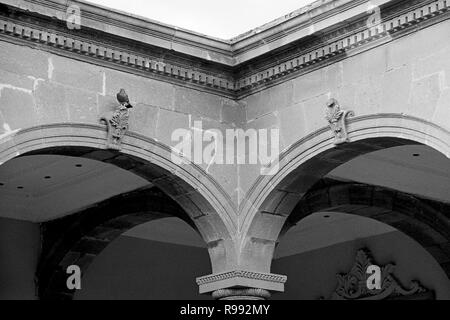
272	199
424	220
79	238
305	162
204	204
196	191
183	191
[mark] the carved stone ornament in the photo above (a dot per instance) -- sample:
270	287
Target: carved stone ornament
336	119
117	122
353	285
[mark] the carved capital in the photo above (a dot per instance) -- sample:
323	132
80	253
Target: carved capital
241	278
337	120
241	294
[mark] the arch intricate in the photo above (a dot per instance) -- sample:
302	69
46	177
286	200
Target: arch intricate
199	195
271	199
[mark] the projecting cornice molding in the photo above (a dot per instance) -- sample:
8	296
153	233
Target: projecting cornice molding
206	69
345	41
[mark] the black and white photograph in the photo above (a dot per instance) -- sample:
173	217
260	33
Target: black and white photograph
223	155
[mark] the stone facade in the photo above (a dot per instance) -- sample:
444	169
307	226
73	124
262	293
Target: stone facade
56	83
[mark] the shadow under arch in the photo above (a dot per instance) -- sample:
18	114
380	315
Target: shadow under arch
271	199
79	238
197	193
335	254
423	220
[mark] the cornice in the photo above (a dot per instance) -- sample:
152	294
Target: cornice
154	61
346	43
115	56
132	27
287	29
317	17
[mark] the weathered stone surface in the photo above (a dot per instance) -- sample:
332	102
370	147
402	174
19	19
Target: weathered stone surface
143	119
318	82
14	80
195	102
168	121
213	162
292	123
368	97
288	203
122	161
274	201
424	96
267	229
233	113
333	75
406	49
101	155
17	108
311	85
395	96
246	173
23	61
408	76
106	103
267	121
81	105
441	115
76	74
140	90
51	103
314	111
267	127
269	100
436	62
149	171
3	128
361	67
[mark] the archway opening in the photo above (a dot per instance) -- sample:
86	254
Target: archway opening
319	255
78	200
159	259
400	176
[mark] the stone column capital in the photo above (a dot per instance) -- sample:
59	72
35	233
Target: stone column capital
240	283
241	294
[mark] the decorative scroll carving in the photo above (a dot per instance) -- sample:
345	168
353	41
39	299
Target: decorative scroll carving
117	122
336	119
353	285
